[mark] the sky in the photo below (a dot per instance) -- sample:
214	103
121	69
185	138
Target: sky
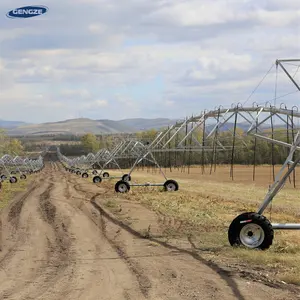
117	59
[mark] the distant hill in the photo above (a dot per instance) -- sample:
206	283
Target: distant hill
140	124
85	125
11	124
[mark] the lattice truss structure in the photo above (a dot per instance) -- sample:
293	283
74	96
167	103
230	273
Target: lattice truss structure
202	133
11	165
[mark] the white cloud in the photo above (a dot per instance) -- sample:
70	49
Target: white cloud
97	28
196	13
82	93
99	103
278	18
148	58
169	103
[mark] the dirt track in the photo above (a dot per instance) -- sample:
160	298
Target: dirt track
59	242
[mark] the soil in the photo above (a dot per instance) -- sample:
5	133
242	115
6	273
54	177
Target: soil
60	241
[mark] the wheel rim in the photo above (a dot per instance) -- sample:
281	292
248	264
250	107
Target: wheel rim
105	175
252	235
96	180
122	188
171	187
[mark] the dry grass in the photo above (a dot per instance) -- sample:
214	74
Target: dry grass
205	206
9	190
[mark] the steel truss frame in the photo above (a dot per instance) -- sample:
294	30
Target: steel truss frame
257	117
13	165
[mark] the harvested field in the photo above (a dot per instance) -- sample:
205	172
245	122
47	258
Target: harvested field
71	239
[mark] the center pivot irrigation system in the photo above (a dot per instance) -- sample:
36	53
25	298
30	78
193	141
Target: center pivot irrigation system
250	229
129	149
11	166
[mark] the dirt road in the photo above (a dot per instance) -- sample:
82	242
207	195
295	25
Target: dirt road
59	242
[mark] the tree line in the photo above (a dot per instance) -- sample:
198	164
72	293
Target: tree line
242	149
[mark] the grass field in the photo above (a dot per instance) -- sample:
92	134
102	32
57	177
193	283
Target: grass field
9	190
205	205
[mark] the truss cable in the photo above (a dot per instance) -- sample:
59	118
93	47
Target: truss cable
293	137
214	152
276	83
296	71
254	150
272	147
288	141
175	153
170	162
203	145
255	89
233	144
184	152
190	152
272	124
165	154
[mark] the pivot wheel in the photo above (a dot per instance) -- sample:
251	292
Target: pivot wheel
122	187
13	179
85	175
171	186
23	176
251	230
78	173
126	177
95	172
105	174
97	179
3	177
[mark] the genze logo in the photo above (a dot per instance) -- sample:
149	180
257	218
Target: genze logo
27	12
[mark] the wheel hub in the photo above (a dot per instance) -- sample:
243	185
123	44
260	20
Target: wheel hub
122	188
171	187
252	235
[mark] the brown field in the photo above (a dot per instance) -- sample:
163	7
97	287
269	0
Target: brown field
206	204
67	238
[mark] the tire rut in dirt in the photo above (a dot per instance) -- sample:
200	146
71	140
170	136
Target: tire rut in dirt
47	208
143	281
16	209
57	252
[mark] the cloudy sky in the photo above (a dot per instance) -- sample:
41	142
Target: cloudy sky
116	59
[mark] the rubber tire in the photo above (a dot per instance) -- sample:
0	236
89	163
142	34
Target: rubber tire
236	227
97	177
170	181
94	172
13	179
126	176
117	185
23	176
78	173
3	177
85	175
105	174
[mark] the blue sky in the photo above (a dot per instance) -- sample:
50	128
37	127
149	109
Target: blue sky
121	59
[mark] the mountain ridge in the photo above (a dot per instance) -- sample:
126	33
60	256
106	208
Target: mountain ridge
80	126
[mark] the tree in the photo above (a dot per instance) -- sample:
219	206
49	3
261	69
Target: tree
14	147
90	143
